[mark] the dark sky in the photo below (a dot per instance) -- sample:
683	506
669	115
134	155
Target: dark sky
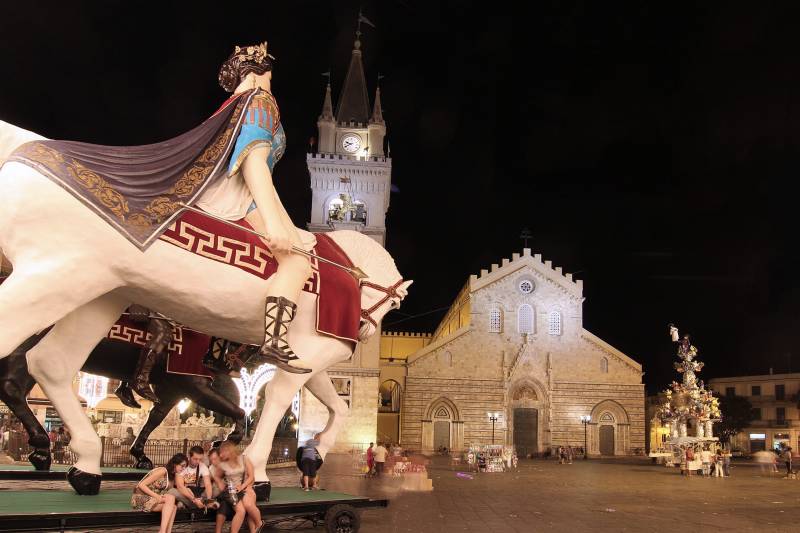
652	147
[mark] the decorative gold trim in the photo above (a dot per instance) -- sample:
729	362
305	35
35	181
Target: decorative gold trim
144	226
244	153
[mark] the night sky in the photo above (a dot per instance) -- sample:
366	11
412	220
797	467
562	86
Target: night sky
651	148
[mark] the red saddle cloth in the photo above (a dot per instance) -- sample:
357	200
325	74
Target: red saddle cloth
337	293
184	354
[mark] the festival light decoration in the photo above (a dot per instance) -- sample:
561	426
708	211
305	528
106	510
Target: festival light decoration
249	385
93	389
296	405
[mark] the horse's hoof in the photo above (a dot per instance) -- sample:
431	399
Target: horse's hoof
40	459
262	489
84	483
144	463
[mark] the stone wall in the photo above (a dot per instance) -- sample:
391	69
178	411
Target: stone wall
361	424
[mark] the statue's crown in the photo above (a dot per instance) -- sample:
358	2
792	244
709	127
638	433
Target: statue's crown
255	53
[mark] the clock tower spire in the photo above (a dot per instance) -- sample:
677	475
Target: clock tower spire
351	176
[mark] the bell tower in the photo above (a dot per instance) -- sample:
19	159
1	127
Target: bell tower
351	175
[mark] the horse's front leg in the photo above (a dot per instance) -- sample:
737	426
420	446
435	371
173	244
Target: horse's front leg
154	418
322	387
219	392
15	385
277	399
54	363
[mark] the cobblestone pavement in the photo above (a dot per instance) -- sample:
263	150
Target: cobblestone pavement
544	496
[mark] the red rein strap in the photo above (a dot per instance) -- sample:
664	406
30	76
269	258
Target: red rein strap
391	292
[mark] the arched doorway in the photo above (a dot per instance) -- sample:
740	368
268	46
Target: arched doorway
526	417
606	434
391	396
609	429
442	426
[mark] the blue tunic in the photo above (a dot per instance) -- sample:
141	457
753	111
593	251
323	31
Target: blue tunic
261	127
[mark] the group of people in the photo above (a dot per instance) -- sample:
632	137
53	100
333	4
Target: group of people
769	459
566	454
224	483
376	458
712	463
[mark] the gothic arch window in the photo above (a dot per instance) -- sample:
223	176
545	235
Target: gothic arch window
554	323
445	358
604	365
607	417
525	319
496	319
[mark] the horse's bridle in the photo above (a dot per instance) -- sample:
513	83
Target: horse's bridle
391	292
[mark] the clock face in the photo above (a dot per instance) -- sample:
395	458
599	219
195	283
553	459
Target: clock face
351	143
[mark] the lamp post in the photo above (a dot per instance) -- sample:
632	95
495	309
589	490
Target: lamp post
494	417
585	421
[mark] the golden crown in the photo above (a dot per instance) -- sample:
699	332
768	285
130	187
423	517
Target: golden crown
257	53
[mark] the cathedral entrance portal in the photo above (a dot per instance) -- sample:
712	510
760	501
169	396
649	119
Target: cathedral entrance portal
606	440
441	434
526	429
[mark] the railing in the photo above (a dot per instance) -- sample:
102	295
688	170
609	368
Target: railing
116	453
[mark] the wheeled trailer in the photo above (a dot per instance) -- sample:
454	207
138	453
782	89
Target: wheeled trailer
57	510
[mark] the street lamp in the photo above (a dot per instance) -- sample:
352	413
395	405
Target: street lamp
585	421
494	417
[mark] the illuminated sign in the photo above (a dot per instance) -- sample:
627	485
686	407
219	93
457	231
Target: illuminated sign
93	389
758	436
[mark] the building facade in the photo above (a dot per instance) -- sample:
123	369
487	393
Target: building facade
513	344
775	416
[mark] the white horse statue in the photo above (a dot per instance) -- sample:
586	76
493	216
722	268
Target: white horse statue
74	270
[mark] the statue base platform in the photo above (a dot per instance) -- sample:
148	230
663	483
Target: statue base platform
59	473
57	510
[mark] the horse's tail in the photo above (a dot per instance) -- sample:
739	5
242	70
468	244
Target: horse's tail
12	137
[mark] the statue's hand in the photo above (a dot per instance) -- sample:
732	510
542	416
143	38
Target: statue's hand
139	313
279	242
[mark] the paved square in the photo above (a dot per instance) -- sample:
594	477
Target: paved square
545	496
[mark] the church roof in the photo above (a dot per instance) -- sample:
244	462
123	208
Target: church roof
327	107
517	261
377	110
354	101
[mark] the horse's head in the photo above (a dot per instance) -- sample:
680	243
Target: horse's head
376	301
383	289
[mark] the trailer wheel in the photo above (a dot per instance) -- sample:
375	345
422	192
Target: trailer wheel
342	519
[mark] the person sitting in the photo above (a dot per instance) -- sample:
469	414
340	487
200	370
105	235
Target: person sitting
193	485
236	472
160	336
151	493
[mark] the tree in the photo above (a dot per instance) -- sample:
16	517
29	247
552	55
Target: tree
737	413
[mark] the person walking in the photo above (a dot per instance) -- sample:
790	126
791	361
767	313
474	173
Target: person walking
726	463
718	464
370	460
787	459
380	458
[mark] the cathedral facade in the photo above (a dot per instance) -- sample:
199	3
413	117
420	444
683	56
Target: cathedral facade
511	363
512	344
